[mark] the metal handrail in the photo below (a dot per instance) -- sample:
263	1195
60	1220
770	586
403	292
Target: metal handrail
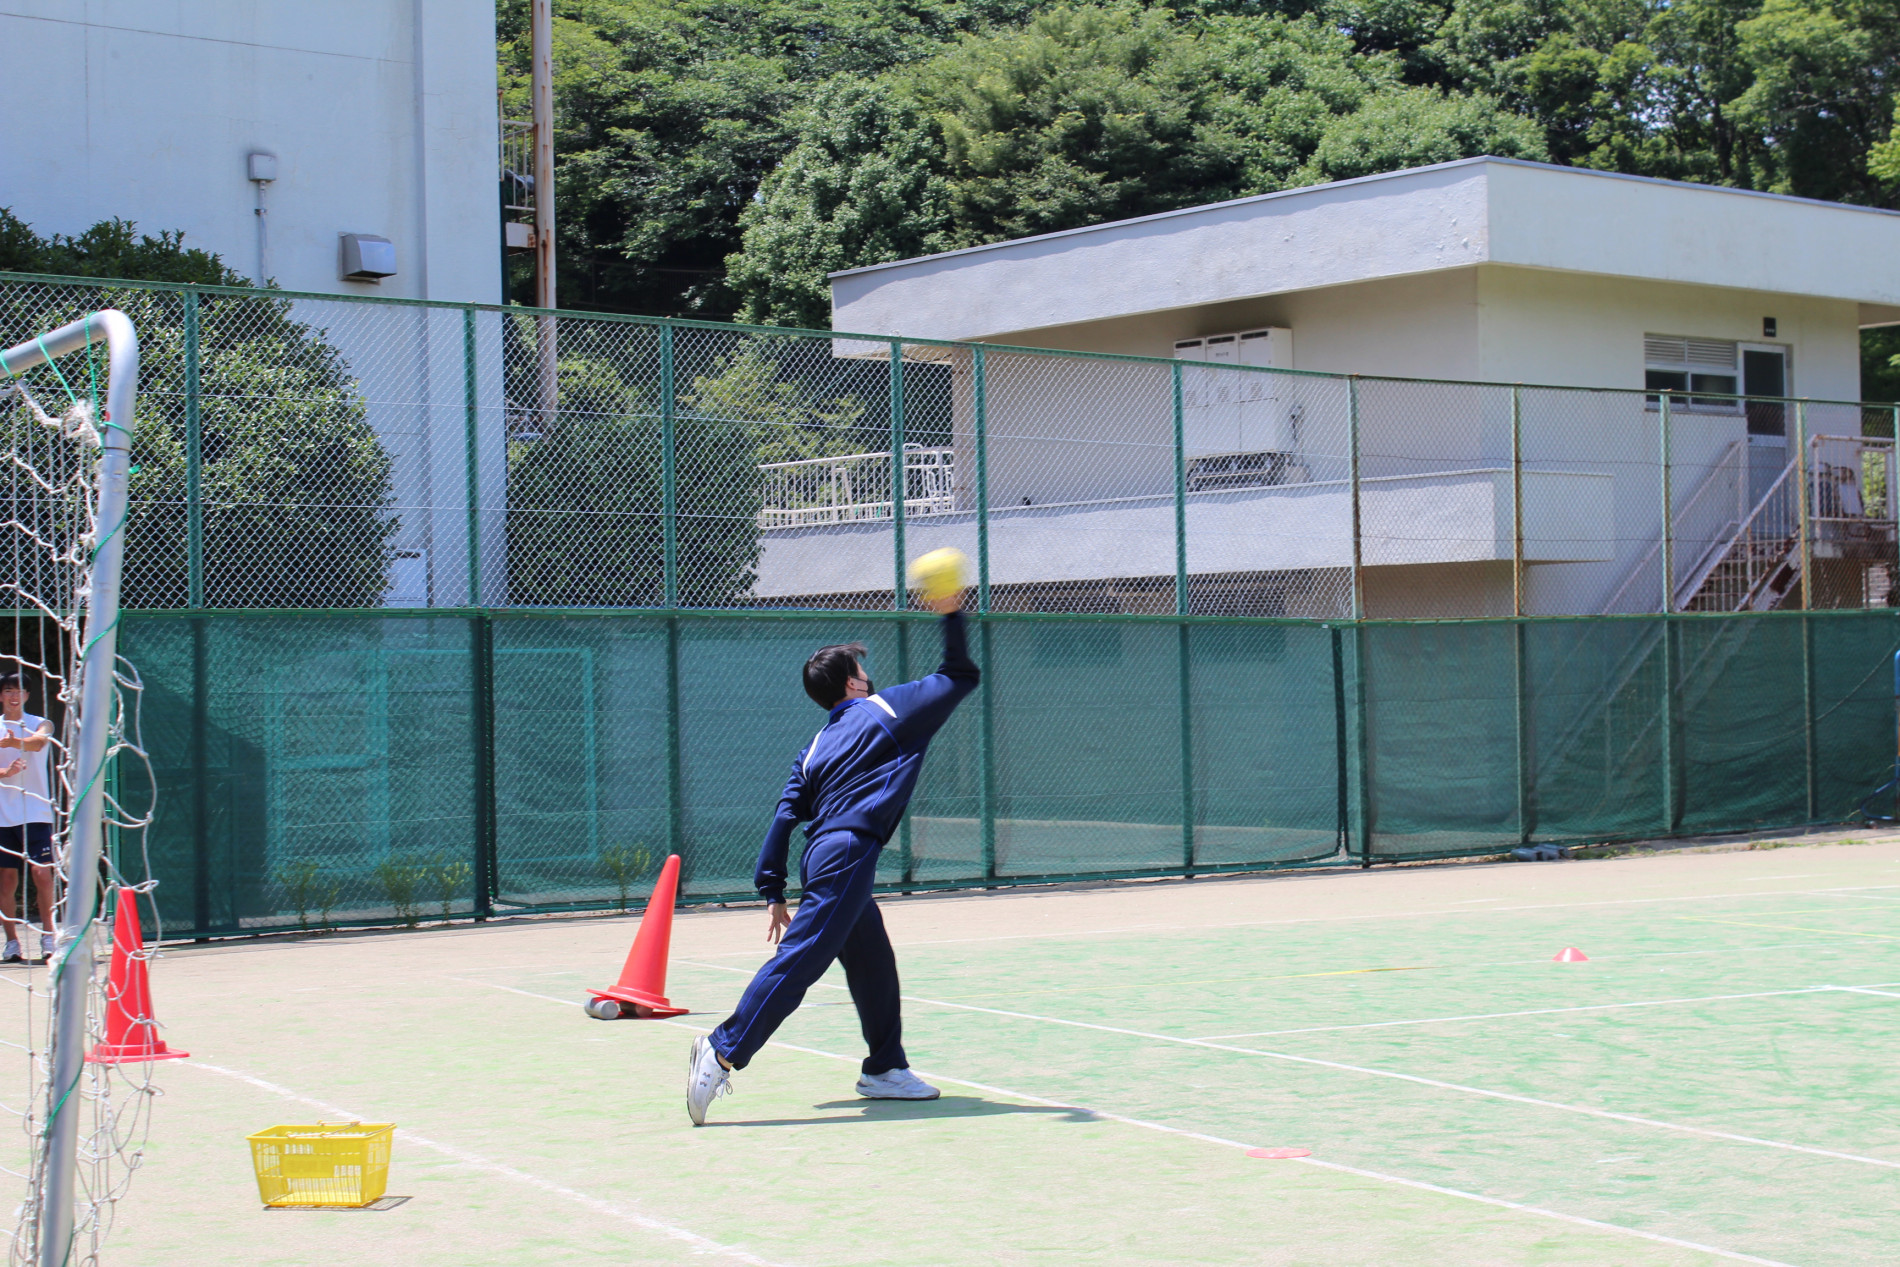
1735	447
833	487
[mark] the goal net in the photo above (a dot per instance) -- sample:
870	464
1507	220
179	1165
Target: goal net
70	726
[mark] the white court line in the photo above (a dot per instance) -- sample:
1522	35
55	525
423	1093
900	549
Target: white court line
1454	909
698	1243
1541	1011
1863	989
1484	1092
1499	1202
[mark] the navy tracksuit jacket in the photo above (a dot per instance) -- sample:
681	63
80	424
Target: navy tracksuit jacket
852	784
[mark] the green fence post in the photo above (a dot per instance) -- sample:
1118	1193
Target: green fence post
1526	824
1807	711
986	751
471	420
1352	463
1526	770
1341	764
1183	679
1362	798
1671	781
1804	526
669	481
1180	497
904	856
900	592
986	716
981	402
1517	499
194	458
487	861
1668	510
1184	676
675	810
200	789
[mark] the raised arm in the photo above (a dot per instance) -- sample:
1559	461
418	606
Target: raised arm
926	704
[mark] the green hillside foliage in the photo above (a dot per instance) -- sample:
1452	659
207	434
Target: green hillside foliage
718	157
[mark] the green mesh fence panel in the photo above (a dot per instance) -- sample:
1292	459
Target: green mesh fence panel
1744	749
1594	714
1264	793
580	765
313	769
330	768
1088	746
1854	712
1441	724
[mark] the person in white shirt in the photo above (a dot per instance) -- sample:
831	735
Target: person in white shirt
26	814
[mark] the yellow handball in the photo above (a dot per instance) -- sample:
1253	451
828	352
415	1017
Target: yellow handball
939	574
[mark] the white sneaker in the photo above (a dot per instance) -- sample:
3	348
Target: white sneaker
46	945
12	954
706	1080
895	1084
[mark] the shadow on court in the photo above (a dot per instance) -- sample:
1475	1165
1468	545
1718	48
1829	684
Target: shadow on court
911	1110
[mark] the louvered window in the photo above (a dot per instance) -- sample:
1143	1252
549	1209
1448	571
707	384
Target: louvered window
1700	373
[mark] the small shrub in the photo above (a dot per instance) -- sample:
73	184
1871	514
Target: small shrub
626	868
403	882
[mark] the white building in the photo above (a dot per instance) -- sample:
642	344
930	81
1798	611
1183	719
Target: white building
372	118
1485	271
379	116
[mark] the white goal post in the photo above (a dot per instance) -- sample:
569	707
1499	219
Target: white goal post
49	1234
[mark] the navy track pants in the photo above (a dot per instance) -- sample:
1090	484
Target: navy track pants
836	919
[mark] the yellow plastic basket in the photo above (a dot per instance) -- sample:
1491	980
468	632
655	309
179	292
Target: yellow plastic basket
330	1163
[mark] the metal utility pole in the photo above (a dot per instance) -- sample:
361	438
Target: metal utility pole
541	25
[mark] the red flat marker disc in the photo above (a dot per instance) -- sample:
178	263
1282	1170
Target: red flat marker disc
1279	1154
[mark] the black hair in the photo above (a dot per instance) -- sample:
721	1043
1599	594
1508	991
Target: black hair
829	669
12	681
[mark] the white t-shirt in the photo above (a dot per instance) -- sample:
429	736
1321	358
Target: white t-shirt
24	797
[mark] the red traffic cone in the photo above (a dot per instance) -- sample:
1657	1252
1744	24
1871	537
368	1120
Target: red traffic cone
131	1033
641	990
1570	954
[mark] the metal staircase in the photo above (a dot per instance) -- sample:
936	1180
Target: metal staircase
1753	555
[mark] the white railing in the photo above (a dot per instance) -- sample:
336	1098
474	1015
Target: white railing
856	488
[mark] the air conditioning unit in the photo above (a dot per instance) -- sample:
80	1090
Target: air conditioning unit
1224	412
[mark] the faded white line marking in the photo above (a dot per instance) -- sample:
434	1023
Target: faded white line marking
1142	1123
475	1161
1547	1011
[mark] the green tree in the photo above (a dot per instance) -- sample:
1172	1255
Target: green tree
585	493
1082	115
294	482
865	186
1411	127
671	112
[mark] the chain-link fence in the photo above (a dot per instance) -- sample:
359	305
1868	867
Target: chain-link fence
325	452
451	609
326	768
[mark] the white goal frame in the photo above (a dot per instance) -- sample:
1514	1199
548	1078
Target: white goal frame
72	969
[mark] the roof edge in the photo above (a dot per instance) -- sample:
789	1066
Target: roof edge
1486	159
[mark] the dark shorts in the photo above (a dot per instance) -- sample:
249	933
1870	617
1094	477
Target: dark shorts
38	842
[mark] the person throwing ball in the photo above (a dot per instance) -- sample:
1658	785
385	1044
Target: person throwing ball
852	785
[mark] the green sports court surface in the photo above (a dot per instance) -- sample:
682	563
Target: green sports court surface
1716	1084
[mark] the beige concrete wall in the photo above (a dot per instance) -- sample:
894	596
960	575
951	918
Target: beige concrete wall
1423	326
1581	330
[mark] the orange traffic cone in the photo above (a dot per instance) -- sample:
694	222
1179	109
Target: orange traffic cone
131	1033
1570	954
641	990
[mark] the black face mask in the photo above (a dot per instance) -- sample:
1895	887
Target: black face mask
870	687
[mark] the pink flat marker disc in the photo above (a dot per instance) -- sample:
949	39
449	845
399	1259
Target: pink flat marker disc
1279	1154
